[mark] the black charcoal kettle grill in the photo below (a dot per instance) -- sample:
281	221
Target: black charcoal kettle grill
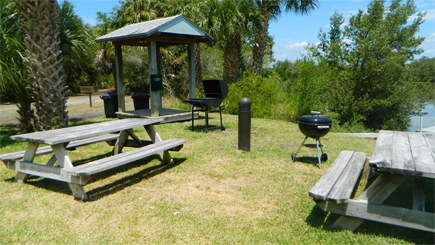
215	91
314	126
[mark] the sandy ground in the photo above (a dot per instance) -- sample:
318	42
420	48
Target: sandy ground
78	106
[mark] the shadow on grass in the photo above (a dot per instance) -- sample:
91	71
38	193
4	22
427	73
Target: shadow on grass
125	182
83	121
305	159
320	219
201	128
6	131
118	185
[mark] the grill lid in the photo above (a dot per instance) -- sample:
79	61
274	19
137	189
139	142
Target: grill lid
215	88
315	120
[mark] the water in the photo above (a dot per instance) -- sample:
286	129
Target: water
428	120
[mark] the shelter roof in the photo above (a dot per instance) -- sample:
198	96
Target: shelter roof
169	31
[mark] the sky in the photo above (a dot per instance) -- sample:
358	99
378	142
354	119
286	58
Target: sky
292	32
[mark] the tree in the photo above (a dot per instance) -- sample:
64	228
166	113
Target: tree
228	22
78	49
105	55
13	72
270	10
38	21
136	11
423	70
369	56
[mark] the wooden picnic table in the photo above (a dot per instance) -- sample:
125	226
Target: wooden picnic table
61	140
396	156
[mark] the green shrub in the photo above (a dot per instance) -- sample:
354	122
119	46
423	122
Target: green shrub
305	88
266	95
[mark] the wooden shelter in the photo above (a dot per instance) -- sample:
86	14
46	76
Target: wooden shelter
176	30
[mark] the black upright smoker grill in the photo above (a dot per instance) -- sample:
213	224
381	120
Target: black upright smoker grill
215	92
314	126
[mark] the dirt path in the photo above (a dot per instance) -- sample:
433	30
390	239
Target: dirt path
77	105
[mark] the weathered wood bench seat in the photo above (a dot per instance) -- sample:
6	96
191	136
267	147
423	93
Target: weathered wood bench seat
78	176
109	138
125	157
338	183
334	190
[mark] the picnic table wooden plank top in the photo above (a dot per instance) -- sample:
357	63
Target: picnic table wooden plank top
405	153
64	135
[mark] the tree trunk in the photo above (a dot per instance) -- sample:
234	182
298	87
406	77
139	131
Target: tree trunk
232	59
27	116
260	40
44	62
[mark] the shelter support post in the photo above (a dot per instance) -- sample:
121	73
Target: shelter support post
119	77
155	95
191	71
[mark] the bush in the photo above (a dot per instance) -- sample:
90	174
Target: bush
265	93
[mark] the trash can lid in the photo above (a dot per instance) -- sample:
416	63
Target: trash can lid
108	95
140	95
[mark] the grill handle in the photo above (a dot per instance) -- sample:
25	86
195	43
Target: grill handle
315	113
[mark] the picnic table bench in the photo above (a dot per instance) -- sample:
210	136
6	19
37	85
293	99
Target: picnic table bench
61	140
397	156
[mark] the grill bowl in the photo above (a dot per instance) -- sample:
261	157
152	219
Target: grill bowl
314	126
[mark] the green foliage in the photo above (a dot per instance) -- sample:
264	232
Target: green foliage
136	11
78	49
422	74
369	58
266	95
305	85
135	67
211	62
422	70
13	71
307	92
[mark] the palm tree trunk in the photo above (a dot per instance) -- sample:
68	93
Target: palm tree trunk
44	62
198	64
232	59
260	40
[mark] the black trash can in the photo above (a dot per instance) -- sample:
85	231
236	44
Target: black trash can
141	101
110	104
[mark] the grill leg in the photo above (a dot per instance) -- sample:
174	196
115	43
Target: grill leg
318	153
220	111
193	110
206	121
301	145
320	145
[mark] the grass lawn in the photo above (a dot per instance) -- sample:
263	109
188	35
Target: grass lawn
212	194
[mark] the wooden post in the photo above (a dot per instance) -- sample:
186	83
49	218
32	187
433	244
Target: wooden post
88	90
191	70
155	95
119	77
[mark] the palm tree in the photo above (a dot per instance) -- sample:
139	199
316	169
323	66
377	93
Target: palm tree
12	69
269	10
78	48
136	11
194	10
38	21
228	21
105	55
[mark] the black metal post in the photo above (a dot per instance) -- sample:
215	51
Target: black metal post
245	124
